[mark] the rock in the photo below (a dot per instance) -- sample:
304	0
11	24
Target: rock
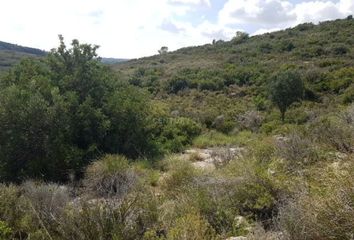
211	157
280	139
204	165
175	113
191	151
240	221
204	155
219	121
237	238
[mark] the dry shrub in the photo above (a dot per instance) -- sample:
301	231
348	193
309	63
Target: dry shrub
179	176
251	120
328	214
191	227
112	219
47	199
259	233
298	150
333	132
110	176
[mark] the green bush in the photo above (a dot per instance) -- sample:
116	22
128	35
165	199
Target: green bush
191	227
178	133
5	231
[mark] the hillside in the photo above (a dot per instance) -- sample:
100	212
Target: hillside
11	54
236	74
248	139
307	46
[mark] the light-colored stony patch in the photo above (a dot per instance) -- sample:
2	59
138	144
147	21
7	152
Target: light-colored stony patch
237	238
210	158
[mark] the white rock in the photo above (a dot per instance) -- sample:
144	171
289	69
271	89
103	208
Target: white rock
204	165
237	238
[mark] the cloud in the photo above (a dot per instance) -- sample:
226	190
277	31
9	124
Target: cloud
137	28
192	2
316	11
170	27
276	14
215	31
256	11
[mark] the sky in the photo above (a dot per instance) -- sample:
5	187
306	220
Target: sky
138	28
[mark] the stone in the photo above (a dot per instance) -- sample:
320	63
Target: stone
237	238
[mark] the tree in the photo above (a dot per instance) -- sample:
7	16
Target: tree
240	37
286	88
163	50
60	113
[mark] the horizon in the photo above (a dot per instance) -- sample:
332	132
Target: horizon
139	29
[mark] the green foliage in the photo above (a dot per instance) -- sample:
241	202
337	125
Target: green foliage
286	88
240	37
5	231
191	227
178	133
58	114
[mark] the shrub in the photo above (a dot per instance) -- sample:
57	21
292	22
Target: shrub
126	218
333	132
178	133
251	120
177	84
5	231
298	150
110	176
179	176
46	202
327	214
258	191
191	227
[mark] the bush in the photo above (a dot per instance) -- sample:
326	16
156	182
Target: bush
127	218
191	227
332	132
327	214
46	202
178	133
110	176
177	84
179	176
297	150
5	231
251	120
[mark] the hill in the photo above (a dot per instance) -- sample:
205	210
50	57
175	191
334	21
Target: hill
113	60
247	139
229	77
11	54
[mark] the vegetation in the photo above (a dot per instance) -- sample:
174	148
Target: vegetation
183	145
286	88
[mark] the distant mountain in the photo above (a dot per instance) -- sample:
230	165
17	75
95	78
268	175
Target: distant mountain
4	46
10	54
113	60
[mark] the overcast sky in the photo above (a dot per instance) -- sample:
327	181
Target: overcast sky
137	28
